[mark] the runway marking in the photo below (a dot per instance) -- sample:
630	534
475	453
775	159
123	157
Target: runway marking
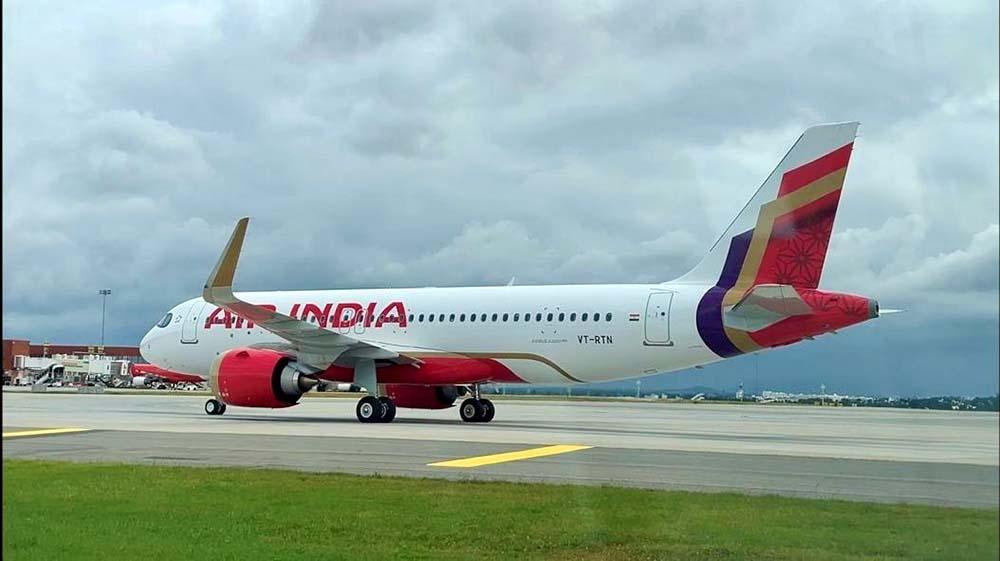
477	461
41	432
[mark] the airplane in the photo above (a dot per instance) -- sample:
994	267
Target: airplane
756	289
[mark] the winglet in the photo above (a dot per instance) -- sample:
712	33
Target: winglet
219	285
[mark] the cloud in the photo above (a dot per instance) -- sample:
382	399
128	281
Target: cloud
413	143
347	28
970	269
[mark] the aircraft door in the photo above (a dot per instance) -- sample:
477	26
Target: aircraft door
658	318
189	327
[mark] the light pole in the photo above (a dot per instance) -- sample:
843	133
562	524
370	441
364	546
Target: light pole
104	292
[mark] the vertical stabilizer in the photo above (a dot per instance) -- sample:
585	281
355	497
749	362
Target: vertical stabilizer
781	235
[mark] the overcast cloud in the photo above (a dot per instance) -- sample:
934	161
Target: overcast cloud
418	143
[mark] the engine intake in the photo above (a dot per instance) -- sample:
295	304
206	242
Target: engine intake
259	378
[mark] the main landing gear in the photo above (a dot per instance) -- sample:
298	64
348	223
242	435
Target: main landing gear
214	407
373	409
475	409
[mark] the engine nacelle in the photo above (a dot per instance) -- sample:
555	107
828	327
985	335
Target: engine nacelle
423	397
259	378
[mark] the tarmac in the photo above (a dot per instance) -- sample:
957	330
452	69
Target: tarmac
871	454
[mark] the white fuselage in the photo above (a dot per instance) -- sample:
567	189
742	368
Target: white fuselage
652	328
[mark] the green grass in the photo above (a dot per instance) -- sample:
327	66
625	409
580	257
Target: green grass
55	510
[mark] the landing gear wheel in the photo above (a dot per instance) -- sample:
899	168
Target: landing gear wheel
388	410
488	410
214	407
369	409
471	410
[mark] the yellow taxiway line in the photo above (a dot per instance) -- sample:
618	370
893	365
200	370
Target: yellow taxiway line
40	432
478	461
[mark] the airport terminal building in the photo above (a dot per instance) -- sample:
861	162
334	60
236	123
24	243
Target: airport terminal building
24	347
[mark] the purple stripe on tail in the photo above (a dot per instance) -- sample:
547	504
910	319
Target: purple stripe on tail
710	307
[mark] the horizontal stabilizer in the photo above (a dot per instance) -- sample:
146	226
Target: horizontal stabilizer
764	305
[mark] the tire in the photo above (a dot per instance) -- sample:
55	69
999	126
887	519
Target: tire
388	410
488	410
369	410
223	409
471	411
214	407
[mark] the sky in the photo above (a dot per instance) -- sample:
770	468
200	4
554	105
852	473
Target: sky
425	143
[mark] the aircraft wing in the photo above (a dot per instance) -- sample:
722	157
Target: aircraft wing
313	345
764	305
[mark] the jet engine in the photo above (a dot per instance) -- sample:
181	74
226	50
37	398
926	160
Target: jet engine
423	397
259	378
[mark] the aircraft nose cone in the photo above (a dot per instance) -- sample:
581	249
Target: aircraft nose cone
144	343
147	348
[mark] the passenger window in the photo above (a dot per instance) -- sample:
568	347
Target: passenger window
517	317
421	318
441	317
562	316
607	317
548	317
597	316
538	317
482	317
572	317
504	317
472	317
527	317
583	317
461	317
411	318
451	317
494	318
430	317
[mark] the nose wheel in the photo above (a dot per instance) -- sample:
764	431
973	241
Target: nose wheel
214	407
477	410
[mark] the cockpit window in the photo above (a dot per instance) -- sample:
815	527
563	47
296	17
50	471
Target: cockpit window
166	320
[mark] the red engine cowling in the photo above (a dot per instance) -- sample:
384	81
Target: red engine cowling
258	378
423	397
